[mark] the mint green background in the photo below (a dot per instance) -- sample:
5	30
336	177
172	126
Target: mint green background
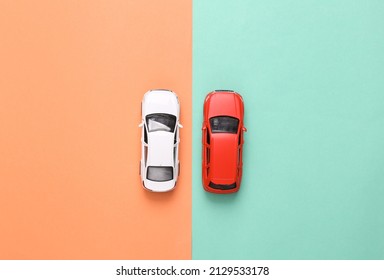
312	77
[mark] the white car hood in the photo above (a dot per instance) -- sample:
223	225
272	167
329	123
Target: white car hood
160	101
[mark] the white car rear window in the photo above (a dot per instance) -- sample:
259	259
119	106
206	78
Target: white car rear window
160	173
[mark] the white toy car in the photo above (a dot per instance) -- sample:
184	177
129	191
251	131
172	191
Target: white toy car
159	164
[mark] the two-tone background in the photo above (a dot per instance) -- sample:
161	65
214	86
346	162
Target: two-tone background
72	75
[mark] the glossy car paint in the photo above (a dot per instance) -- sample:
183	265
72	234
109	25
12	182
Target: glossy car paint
222	152
160	148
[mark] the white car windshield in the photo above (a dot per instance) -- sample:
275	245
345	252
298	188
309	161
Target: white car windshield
161	122
160	173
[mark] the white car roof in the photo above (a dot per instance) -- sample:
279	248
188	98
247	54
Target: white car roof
160	148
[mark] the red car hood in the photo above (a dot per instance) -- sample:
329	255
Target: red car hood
230	105
223	165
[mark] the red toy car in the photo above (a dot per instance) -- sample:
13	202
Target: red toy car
223	129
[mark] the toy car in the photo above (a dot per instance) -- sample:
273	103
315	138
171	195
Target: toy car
223	140
159	164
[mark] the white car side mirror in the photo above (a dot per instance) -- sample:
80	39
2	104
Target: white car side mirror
180	125
141	124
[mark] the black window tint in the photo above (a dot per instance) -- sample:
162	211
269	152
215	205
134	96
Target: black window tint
145	155
161	122
224	124
145	135
221	186
160	173
240	138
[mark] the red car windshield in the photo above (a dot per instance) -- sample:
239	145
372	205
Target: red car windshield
224	124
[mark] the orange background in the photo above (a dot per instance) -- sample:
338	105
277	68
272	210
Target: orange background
72	75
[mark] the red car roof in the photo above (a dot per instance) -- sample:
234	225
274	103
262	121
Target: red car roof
223	168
